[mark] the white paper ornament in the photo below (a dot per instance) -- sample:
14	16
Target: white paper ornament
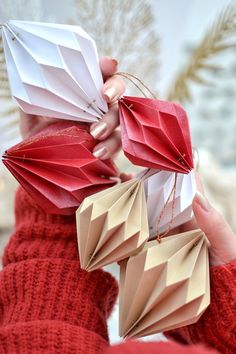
54	70
158	186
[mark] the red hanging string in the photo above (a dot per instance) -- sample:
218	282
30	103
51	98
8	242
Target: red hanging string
172	192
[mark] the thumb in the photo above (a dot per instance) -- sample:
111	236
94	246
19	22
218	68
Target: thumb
219	233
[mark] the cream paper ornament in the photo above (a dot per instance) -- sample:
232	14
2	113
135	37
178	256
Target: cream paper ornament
112	225
165	286
53	70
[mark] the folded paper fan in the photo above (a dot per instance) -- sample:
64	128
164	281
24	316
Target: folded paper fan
166	209
58	168
155	134
112	225
53	70
165	286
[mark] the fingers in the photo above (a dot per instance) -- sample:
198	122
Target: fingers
114	86
107	124
126	176
27	123
104	130
108	66
113	89
217	230
109	147
199	183
31	124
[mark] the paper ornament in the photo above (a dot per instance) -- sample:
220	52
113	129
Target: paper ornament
165	286
174	208
112	225
53	70
155	134
57	167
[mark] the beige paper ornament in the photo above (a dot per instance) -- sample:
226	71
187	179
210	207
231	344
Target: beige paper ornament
112	224
165	286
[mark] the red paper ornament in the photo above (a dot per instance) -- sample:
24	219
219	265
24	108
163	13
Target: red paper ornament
57	167
155	134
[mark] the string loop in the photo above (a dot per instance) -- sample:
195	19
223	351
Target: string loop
132	79
172	192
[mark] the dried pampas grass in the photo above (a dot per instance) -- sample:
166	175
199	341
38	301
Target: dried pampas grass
215	41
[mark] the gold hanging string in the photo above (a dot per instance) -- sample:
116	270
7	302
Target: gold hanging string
144	176
134	83
173	192
123	102
132	79
145	173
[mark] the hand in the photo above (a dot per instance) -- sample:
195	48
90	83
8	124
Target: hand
222	239
104	130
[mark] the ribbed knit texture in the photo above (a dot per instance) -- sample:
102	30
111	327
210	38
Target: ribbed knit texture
135	347
48	304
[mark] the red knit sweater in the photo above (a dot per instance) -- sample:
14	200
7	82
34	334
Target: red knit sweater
49	305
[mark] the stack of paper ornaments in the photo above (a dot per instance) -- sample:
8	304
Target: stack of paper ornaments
54	71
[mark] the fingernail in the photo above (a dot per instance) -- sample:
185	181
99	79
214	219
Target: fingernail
115	62
110	93
100	152
98	130
202	201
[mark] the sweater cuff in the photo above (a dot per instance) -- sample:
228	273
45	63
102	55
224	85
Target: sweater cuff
56	290
42	279
217	326
138	347
49	337
38	234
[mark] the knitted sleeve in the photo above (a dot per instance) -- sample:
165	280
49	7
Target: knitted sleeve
217	326
48	304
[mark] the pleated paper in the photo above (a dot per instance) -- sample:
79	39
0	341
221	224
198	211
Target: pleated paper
112	225
165	286
53	70
155	134
57	167
175	208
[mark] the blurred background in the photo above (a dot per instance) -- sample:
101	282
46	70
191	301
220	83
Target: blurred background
183	50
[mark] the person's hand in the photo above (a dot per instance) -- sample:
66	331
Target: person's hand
219	233
222	239
105	129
